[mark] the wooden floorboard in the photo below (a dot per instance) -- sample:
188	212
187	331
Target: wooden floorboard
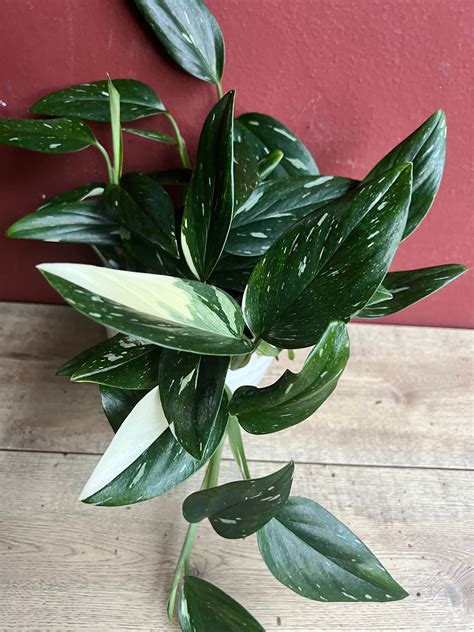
68	566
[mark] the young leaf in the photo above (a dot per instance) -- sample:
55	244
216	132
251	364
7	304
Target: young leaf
277	204
238	509
410	286
294	397
55	136
205	608
381	294
173	313
121	362
263	134
268	164
159	137
311	552
209	203
246	176
190	34
74	223
191	388
426	149
78	194
153	220
117	140
90	101
144	460
118	403
329	264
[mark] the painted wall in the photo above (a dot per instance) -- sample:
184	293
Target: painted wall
350	77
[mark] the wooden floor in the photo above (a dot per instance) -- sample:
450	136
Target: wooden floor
389	454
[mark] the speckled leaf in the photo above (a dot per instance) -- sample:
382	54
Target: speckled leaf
277	204
329	264
311	552
170	312
190	34
54	136
152	214
295	396
426	149
263	134
238	509
73	222
118	403
77	194
144	460
90	101
159	137
381	294
209	202
205	608
233	272
410	286
122	362
191	388
246	175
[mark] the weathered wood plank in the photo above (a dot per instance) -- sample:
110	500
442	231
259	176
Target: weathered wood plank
67	566
406	397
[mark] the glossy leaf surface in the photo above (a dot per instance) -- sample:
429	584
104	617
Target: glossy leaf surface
311	552
205	608
191	388
426	149
159	137
55	136
241	508
171	312
263	134
118	403
246	175
329	264
295	396
209	205
73	222
380	295
410	286
121	361
90	101
78	194
190	34
277	204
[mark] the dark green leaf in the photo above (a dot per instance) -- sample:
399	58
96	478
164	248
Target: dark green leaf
90	101
153	219
73	222
171	176
410	286
246	176
159	137
381	294
263	134
190	34
174	313
233	272
54	136
241	508
75	195
118	403
426	149
153	258
205	608
277	204
122	362
268	164
329	264
210	200
191	388
294	397
311	552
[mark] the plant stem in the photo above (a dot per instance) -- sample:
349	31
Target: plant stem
219	89
181	145
211	478
237	447
110	169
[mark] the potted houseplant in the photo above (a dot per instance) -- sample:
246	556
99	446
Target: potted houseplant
255	254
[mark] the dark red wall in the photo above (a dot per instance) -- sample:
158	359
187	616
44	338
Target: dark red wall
351	77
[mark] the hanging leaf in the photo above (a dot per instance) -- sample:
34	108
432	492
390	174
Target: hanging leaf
153	220
170	312
144	460
90	101
263	134
159	137
426	149
329	264
295	396
209	203
410	286
78	194
311	552
238	509
191	388
233	272
122	362
246	175
205	608
190	34
55	136
277	204
118	403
